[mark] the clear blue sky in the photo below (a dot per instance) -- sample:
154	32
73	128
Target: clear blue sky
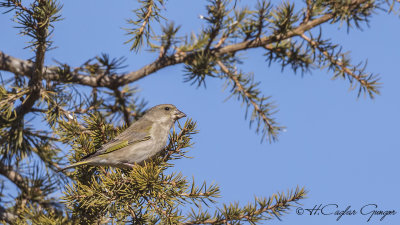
344	150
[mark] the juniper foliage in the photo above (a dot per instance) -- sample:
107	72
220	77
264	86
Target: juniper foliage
32	93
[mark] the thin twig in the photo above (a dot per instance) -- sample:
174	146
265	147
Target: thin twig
335	61
241	89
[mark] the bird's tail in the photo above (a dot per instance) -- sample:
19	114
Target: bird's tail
73	165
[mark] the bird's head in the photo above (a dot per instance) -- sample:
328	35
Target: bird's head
164	113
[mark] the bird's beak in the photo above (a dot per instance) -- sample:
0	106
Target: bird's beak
179	114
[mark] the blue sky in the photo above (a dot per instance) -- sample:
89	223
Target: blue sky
344	150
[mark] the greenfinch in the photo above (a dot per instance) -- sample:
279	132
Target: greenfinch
139	142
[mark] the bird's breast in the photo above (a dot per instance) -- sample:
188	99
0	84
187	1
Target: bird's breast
160	135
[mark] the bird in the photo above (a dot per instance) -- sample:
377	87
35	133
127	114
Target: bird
138	143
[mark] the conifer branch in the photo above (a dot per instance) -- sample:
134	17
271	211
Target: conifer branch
35	23
14	176
9	63
216	11
307	14
28	193
368	83
179	141
6	216
149	10
262	209
122	102
261	110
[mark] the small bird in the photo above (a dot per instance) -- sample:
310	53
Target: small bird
139	142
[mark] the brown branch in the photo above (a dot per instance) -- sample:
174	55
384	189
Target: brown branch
196	195
11	64
229	49
26	68
146	19
22	67
35	82
179	58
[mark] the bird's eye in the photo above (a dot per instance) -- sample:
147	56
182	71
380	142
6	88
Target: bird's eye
167	108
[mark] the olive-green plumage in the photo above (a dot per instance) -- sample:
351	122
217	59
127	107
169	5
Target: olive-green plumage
142	140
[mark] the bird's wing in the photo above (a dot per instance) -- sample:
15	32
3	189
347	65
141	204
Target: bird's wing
138	132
